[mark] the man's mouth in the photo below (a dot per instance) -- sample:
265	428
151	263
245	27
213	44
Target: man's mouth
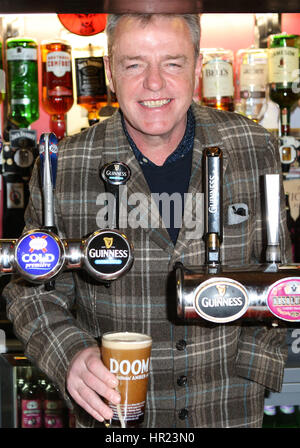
155	103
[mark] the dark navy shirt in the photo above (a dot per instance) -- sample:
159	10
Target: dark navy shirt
172	177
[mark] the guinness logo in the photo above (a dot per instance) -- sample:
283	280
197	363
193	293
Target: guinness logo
108	254
108	242
115	173
221	300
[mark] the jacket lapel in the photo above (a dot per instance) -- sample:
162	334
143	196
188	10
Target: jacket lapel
136	198
207	134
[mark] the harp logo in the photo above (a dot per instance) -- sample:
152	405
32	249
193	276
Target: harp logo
108	242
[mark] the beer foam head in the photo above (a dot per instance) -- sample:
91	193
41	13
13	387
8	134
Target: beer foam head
126	340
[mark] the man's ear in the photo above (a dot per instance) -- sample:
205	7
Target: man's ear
198	68
108	71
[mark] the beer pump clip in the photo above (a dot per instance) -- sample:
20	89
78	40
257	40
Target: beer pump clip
115	174
269	292
40	253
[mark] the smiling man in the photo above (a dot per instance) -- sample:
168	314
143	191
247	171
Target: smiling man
201	374
152	68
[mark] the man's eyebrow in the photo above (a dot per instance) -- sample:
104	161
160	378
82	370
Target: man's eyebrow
142	58
175	56
131	58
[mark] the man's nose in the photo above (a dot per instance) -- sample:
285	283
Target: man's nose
154	79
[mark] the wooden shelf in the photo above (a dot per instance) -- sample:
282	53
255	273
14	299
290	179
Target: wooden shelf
120	6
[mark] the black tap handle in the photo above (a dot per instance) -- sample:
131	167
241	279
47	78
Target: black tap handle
213	203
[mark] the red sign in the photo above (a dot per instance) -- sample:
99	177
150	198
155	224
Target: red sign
83	24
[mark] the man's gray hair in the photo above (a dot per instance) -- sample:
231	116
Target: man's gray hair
192	20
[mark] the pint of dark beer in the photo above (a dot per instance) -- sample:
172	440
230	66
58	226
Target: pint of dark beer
127	355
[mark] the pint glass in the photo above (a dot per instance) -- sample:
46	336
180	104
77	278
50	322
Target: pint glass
127	355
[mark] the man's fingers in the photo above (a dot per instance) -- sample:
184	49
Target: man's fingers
100	386
90	383
91	403
98	369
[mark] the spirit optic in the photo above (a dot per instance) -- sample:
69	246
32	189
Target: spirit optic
21	55
57	84
252	79
283	59
217	79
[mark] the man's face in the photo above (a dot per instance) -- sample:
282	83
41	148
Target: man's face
153	72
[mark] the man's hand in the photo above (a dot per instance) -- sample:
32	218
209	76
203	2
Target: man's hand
88	380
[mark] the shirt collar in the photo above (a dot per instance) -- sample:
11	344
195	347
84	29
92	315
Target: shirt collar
182	149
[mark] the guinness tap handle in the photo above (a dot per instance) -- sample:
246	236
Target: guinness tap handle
213	204
115	174
272	204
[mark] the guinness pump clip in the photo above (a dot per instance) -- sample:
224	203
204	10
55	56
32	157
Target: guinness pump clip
268	292
115	174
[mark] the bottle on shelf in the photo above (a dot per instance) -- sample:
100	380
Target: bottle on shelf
291	225
31	402
90	80
2	76
21	378
55	412
57	85
217	87
252	79
22	74
269	419
283	63
287	417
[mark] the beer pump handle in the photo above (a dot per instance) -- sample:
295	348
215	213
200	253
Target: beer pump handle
48	157
272	206
213	204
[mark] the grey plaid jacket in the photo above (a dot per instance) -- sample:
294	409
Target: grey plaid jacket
202	374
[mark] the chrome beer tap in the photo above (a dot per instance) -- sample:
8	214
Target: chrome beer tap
219	293
39	255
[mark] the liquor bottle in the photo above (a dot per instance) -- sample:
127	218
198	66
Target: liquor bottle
57	86
252	79
269	419
31	403
283	61
54	408
21	374
90	81
286	417
22	73
217	79
2	76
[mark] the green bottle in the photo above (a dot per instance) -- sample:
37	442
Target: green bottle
269	420
283	58
2	76
287	417
22	67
